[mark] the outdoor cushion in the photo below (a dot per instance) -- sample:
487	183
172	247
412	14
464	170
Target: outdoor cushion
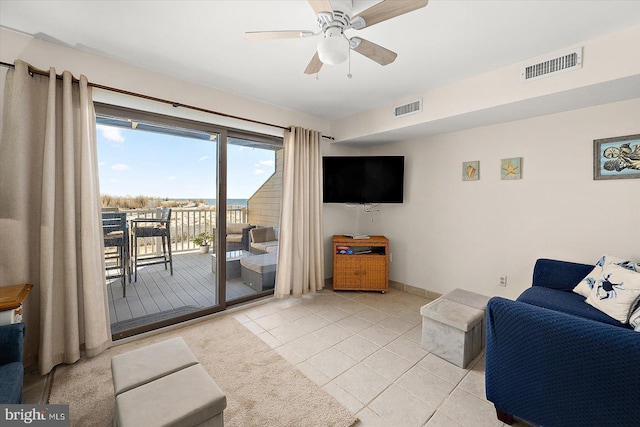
270	247
264	234
236	238
237	227
264	239
261	264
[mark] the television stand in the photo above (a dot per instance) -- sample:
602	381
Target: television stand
366	269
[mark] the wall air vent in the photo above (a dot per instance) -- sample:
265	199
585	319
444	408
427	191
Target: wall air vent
410	108
564	62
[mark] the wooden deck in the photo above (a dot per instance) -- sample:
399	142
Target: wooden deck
157	295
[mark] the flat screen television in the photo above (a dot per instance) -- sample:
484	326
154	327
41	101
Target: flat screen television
358	179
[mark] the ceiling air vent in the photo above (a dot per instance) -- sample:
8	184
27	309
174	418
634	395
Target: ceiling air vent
406	109
567	61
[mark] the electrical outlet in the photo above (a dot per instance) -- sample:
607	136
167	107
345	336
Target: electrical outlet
390	257
503	281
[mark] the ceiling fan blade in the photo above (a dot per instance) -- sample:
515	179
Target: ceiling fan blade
269	35
374	52
314	65
386	9
321	6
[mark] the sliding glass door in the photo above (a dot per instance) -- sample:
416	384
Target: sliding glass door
187	190
254	191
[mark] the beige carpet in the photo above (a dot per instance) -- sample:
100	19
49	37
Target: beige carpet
262	388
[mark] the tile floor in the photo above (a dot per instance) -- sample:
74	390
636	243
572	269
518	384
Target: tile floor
364	349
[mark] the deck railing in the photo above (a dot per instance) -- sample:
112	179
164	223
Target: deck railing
185	225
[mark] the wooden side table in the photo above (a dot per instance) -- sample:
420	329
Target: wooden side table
11	299
365	271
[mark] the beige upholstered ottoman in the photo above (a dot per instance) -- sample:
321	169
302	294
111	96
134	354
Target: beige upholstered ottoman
453	326
188	397
163	384
138	367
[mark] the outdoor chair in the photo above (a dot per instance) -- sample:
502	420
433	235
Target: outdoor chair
115	232
153	227
264	240
238	236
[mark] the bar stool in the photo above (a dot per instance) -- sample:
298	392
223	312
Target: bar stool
152	227
115	234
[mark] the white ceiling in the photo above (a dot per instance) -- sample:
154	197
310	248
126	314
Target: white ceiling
202	42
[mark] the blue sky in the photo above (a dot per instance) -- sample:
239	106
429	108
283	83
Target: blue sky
133	163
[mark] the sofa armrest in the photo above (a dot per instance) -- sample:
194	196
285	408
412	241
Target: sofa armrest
245	237
11	343
552	368
563	275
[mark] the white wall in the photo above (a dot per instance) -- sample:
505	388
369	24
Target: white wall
450	233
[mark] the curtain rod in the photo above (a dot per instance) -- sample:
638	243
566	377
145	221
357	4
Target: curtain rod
34	70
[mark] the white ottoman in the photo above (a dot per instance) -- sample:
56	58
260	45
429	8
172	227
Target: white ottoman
453	326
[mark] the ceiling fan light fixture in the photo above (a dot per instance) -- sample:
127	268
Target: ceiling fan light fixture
333	49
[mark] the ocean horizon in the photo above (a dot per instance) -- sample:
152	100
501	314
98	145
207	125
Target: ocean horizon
212	202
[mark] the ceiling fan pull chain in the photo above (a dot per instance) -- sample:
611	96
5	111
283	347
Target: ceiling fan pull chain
349	75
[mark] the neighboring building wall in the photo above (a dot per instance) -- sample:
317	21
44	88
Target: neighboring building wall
264	205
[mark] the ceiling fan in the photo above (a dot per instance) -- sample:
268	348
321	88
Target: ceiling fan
334	21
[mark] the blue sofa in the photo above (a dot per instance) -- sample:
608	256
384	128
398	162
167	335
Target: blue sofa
553	360
11	368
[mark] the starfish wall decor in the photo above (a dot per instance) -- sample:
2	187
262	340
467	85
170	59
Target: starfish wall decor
511	168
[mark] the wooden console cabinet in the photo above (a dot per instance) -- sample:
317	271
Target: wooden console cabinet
361	271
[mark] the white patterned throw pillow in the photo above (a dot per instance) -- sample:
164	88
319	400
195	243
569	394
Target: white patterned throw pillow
584	287
615	292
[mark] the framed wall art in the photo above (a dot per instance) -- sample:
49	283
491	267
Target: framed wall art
616	158
471	171
511	168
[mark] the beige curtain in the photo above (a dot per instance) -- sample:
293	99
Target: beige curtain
300	250
50	213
